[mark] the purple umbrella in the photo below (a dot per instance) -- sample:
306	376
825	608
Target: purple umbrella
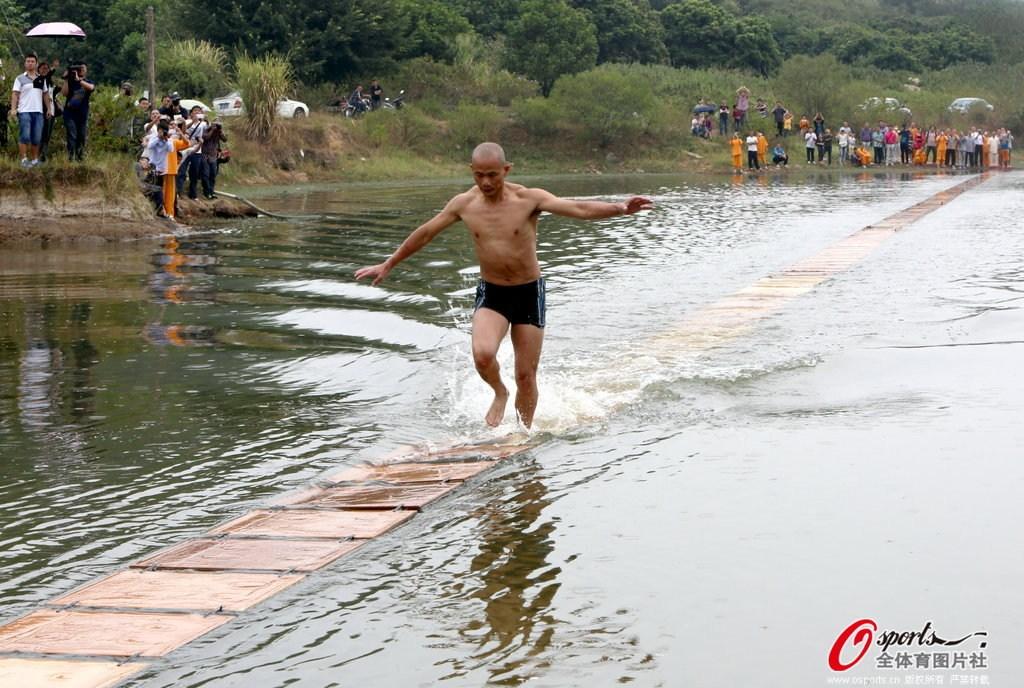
56	29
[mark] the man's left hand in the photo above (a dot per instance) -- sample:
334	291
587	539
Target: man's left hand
636	204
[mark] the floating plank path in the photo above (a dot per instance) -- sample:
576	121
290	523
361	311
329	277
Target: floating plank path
109	630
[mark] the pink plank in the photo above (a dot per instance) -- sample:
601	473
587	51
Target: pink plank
64	673
193	590
115	634
371	496
267	555
413	472
316	523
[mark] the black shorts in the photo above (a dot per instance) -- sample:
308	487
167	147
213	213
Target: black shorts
520	304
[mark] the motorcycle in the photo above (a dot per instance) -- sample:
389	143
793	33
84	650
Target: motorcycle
352	111
395	104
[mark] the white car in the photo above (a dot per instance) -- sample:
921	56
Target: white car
964	105
189	104
232	105
890	104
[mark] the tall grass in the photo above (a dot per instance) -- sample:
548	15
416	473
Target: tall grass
263	81
196	69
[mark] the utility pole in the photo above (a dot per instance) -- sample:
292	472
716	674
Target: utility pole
151	54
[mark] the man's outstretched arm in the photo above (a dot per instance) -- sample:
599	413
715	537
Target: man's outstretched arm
420	237
588	210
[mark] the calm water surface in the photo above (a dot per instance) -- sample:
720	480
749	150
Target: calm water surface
711	518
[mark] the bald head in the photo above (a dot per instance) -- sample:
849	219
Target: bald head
489	153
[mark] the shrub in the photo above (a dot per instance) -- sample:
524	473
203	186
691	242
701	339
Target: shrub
539	117
399	129
471	124
196	69
263	82
606	106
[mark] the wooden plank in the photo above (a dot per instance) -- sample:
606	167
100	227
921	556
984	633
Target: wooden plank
261	555
192	590
315	524
416	472
113	634
16	672
371	496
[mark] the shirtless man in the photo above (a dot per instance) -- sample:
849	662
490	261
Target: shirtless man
502	217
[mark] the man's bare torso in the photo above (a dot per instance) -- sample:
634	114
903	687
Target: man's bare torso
504	232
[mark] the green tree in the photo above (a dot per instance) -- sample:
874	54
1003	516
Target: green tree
627	31
488	17
756	47
429	28
698	33
331	40
550	39
952	45
812	84
125	24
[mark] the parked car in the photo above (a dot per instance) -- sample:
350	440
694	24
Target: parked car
965	105
231	105
890	104
188	104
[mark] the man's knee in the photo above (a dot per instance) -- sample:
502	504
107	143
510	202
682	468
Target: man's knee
484	358
526	378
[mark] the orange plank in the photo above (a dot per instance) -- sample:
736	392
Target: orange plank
63	673
372	496
315	524
266	555
193	590
114	634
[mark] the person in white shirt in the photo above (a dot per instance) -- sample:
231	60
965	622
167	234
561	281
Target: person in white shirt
191	161
30	105
752	162
811	143
844	138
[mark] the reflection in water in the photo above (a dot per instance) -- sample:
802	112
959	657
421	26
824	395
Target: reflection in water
517	584
174	281
55	386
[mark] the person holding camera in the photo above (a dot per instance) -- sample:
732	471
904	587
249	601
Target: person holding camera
162	152
76	91
191	161
210	153
153	163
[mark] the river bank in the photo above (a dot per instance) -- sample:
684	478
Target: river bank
95	201
100	199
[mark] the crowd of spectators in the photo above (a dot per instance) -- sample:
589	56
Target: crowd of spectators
885	144
180	152
179	147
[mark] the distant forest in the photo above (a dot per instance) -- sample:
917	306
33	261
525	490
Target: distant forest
334	41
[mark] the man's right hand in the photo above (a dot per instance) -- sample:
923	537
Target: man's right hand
377	272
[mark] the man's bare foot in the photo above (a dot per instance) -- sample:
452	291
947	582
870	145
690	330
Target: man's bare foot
497	411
